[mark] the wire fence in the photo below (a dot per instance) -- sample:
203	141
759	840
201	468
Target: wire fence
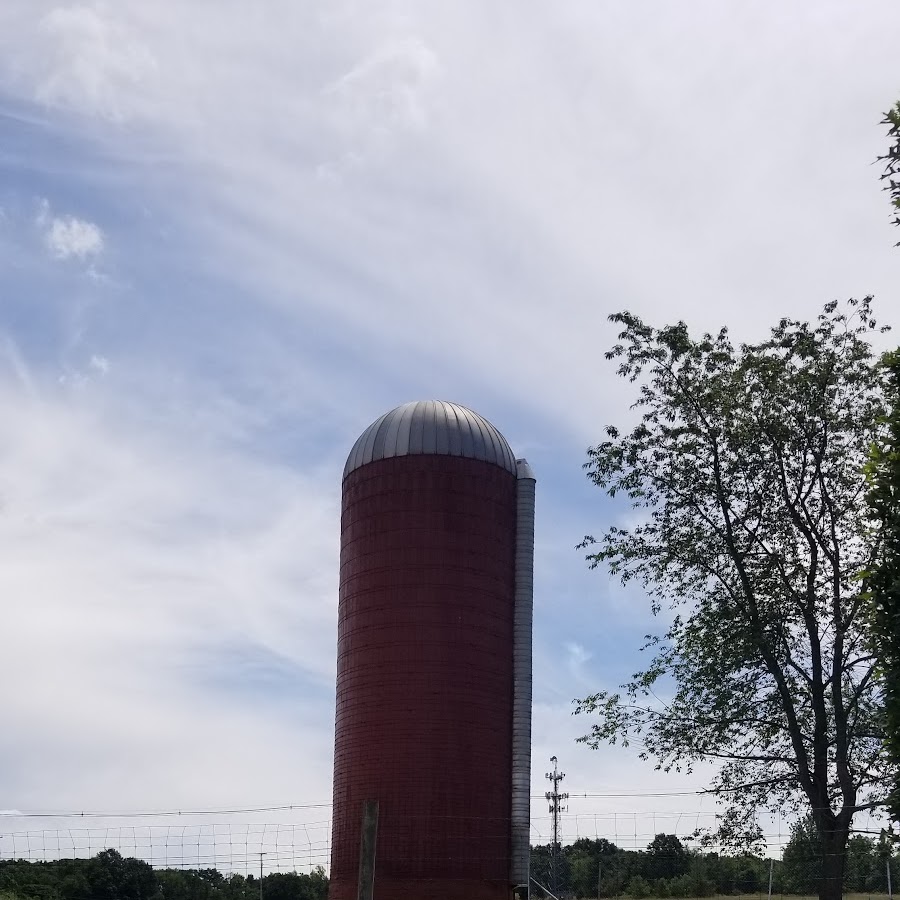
602	854
236	846
226	846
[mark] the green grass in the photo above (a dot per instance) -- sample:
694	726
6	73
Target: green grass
762	896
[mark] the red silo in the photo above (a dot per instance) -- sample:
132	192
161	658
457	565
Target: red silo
427	676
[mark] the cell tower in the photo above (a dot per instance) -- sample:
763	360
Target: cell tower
555	800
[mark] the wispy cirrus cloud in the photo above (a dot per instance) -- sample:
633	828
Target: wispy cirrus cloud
131	566
94	61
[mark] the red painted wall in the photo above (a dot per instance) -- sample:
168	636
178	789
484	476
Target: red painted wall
424	680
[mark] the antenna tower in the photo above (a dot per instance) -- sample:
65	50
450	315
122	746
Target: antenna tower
555	800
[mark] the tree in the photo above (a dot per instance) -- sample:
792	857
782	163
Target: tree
862	864
801	868
891	160
638	887
666	858
183	884
110	876
747	465
748	880
884	502
586	858
584	880
296	885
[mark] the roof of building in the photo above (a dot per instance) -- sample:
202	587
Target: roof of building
431	427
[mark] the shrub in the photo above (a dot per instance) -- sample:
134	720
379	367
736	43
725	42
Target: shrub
638	888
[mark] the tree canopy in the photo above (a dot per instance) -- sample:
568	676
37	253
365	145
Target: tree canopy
747	464
885	501
884	582
596	866
110	876
891	160
668	857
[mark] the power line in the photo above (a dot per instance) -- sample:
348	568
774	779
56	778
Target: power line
135	814
244	810
604	796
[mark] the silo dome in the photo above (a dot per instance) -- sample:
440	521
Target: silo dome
431	427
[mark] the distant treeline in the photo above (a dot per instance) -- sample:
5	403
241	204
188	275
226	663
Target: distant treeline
110	876
668	869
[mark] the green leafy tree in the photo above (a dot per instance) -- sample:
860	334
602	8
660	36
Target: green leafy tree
638	887
666	857
590	861
748	880
861	864
884	501
723	872
110	876
234	887
742	874
584	881
885	854
184	884
73	885
801	866
295	886
891	160
747	464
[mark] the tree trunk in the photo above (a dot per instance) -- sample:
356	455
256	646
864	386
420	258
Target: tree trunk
834	861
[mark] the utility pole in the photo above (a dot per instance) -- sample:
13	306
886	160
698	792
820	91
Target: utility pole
261	855
555	799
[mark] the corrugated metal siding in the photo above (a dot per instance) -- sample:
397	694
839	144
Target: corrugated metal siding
425	677
522	676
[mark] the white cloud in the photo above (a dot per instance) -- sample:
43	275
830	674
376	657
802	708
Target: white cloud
93	61
96	367
67	237
576	655
540	165
15	365
386	91
168	562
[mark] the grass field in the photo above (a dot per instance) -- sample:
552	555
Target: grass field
774	896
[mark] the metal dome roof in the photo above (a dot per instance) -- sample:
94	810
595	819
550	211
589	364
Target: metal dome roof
431	427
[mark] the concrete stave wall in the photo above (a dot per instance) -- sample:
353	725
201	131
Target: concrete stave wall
425	668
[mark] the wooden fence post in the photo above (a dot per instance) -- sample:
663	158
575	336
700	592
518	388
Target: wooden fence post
367	842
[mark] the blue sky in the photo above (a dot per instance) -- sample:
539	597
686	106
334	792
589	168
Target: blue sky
233	235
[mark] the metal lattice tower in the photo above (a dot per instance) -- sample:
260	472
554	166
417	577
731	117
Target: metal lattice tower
555	800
